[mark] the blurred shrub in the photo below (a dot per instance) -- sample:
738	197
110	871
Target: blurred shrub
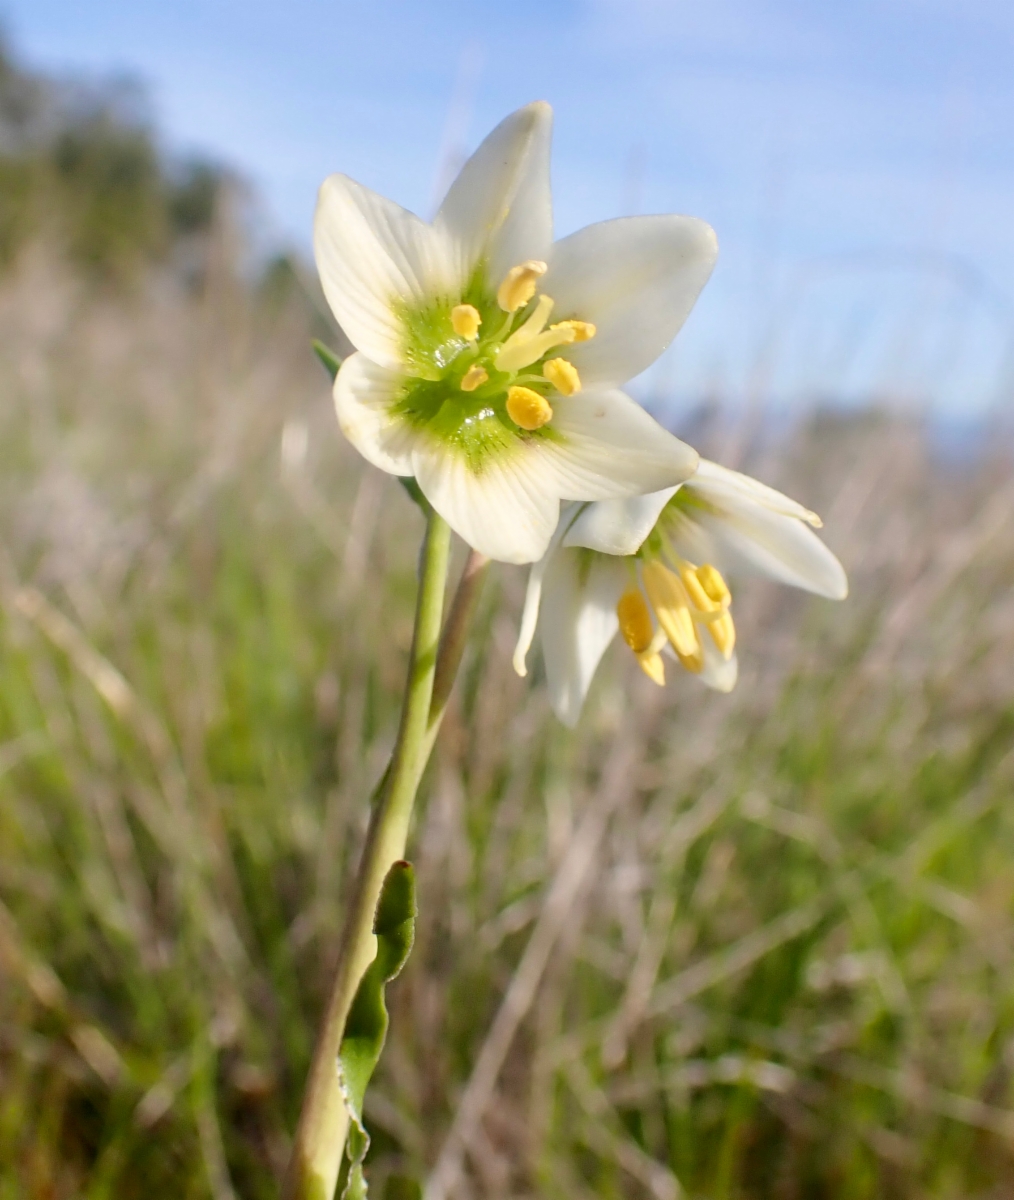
80	166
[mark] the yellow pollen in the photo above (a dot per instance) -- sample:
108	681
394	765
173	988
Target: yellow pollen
714	585
527	408
474	377
723	634
518	285
562	375
653	666
465	320
584	331
635	621
672	607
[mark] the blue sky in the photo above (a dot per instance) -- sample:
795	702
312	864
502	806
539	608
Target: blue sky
856	159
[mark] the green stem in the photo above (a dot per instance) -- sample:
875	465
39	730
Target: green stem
323	1122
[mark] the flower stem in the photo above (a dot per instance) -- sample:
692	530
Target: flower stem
323	1122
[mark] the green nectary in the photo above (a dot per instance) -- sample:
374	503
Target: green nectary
685	500
475	422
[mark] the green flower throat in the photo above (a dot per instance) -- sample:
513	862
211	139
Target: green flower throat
484	373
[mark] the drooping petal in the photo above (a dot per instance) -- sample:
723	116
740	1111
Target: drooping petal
533	592
746	534
718	673
500	206
618	526
636	279
373	255
578	623
507	510
608	446
363	397
718	483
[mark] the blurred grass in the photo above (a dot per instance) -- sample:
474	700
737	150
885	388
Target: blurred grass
757	945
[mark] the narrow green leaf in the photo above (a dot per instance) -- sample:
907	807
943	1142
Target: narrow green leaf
366	1027
328	357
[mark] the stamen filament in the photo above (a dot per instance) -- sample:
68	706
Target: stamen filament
672	608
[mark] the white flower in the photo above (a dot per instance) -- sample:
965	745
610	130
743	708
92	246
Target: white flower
651	568
489	357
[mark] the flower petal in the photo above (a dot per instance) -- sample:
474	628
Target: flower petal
742	532
618	526
363	395
719	482
371	253
500	206
533	592
578	622
508	510
719	674
603	445
636	279
608	446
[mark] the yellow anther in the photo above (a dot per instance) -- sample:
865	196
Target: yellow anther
653	666
515	352
584	331
723	634
699	598
518	285
672	607
714	585
474	377
635	621
527	408
465	320
562	375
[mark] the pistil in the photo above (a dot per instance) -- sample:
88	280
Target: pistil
529	343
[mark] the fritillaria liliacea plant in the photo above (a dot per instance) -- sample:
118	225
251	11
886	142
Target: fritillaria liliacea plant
487	375
648	568
489	358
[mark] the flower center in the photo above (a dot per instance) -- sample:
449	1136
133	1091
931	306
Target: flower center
490	365
511	358
686	602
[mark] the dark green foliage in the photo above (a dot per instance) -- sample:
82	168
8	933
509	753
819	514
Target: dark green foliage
80	166
368	1021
